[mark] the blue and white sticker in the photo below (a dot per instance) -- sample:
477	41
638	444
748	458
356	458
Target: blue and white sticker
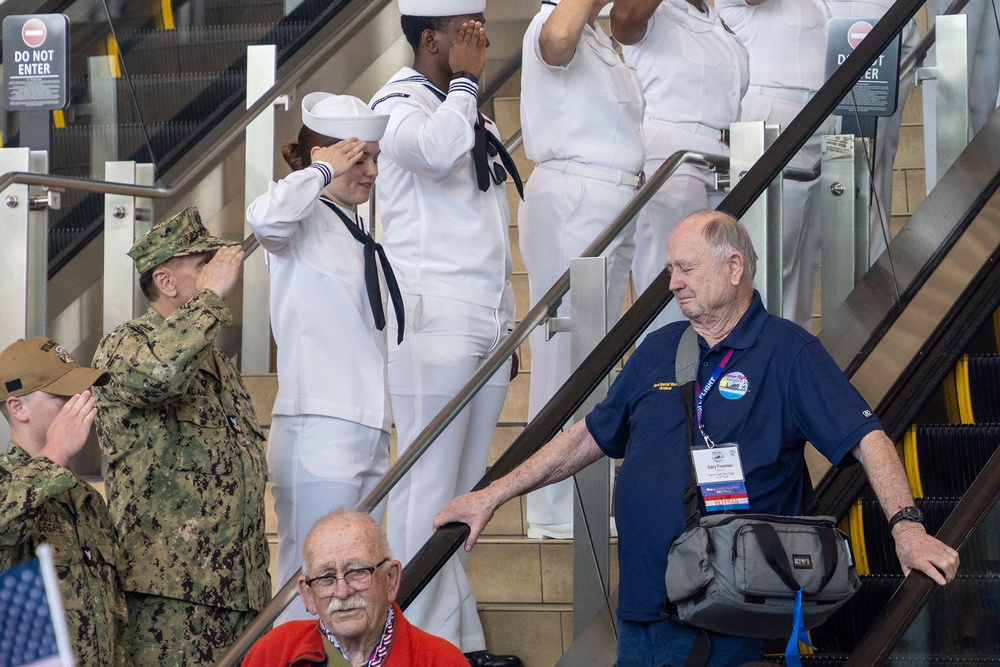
734	385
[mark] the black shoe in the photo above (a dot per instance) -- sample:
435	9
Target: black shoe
487	659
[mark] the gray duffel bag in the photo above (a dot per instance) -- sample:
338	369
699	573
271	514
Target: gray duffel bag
738	574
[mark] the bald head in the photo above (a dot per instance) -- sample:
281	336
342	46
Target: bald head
362	530
724	235
711	261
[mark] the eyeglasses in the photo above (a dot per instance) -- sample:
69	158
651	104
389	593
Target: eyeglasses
359	579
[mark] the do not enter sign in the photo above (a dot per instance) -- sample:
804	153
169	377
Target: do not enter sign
858	32
35	62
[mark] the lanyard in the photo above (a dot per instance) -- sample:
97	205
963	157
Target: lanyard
702	392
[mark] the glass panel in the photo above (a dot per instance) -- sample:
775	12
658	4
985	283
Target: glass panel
960	620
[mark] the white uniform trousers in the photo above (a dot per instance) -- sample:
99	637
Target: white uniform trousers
445	342
690	189
317	464
886	145
561	216
801	218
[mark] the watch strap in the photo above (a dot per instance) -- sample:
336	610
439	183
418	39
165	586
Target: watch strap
910	513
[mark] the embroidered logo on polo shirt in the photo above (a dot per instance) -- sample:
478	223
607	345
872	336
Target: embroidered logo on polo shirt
734	385
665	386
867	413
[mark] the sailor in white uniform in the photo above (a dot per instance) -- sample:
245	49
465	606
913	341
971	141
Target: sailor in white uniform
787	44
329	437
444	211
589	166
887	131
694	72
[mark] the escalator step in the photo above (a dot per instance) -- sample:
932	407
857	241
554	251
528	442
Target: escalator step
220	12
842	631
71	146
984	384
192	49
879	545
951	456
959	620
163	97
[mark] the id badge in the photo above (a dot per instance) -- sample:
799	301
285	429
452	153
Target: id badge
720	477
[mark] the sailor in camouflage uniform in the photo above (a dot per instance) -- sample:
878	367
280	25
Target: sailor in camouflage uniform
186	468
44	396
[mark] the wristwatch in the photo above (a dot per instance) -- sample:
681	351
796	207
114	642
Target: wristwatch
906	514
467	75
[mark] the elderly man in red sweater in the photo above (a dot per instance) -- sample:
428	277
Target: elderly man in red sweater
350	581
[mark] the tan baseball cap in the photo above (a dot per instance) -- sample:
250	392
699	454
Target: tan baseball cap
41	364
177	236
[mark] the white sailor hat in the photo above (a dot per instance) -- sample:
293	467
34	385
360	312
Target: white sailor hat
441	7
342	117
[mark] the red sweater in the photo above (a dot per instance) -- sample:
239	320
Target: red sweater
300	644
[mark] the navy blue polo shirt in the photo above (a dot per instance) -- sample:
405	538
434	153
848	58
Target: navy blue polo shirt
779	389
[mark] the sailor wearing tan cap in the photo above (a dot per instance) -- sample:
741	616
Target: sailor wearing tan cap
329	439
444	209
186	467
45	397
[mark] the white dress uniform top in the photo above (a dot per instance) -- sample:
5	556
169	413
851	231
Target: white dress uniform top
787	44
588	170
329	438
887	131
448	243
694	72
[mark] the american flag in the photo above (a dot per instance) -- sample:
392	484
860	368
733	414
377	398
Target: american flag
32	627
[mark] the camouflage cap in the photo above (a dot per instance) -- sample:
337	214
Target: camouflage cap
180	235
41	364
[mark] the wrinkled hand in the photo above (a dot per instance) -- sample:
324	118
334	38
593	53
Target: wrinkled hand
475	509
222	271
341	155
468	52
67	434
917	550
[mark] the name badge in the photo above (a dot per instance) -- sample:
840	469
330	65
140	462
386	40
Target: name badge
720	477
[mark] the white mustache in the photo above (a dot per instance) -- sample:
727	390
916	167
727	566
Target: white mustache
353	602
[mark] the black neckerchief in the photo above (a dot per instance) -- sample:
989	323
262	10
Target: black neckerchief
371	273
487	144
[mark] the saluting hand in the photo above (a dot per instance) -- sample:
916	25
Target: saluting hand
468	52
67	434
222	271
341	155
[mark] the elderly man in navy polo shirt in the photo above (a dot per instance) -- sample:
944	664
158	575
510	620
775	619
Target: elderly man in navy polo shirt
775	389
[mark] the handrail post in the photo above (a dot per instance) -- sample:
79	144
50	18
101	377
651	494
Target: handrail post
845	196
592	507
950	104
23	255
748	141
261	68
125	219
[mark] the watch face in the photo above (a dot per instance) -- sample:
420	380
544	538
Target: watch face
912	513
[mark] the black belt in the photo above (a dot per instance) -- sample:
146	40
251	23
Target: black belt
371	274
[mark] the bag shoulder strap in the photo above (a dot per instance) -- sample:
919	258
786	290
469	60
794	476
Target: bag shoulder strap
685	375
777	559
